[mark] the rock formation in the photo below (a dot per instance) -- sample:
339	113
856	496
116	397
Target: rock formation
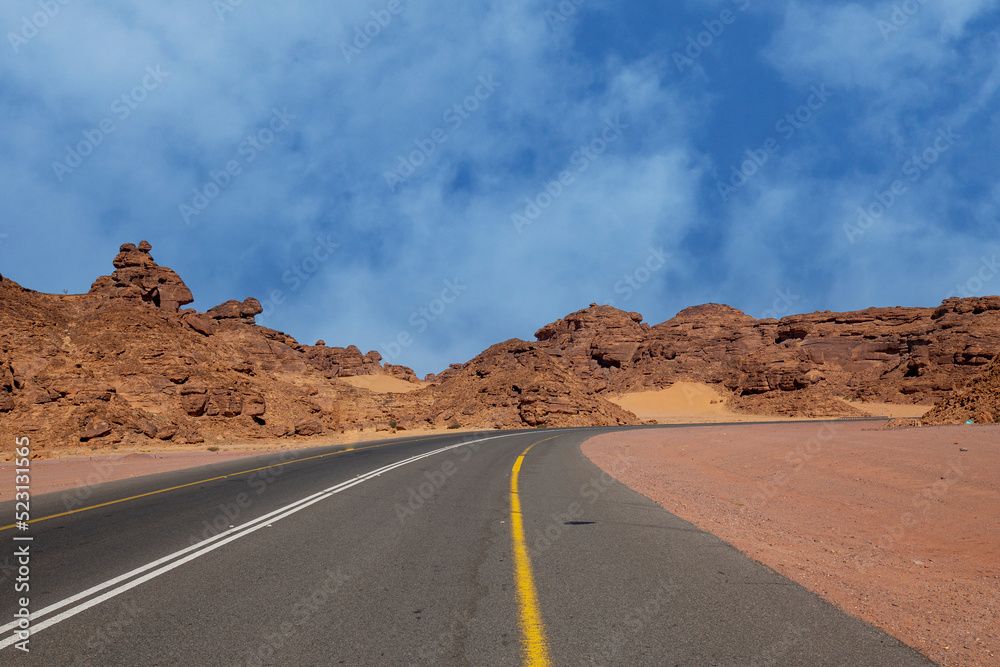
123	363
977	401
235	310
516	384
137	276
902	355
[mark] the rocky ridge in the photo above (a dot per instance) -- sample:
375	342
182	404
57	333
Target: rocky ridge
515	384
799	365
125	362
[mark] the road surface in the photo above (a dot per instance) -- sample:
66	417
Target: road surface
437	550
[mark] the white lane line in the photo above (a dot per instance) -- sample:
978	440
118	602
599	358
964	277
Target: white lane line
205	547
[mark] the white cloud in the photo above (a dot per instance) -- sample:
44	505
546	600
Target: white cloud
325	174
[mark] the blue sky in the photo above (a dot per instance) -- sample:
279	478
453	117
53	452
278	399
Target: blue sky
468	172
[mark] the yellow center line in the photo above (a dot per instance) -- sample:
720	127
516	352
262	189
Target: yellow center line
534	643
212	479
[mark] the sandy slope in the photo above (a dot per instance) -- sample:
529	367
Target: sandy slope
892	410
684	403
898	527
382	384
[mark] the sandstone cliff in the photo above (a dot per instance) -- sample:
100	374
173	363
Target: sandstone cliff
798	365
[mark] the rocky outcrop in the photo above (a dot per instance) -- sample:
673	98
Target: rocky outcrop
903	355
447	373
977	401
516	384
121	364
6	383
345	362
124	363
235	310
401	373
138	277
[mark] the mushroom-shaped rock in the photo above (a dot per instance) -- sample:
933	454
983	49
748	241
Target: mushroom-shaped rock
250	307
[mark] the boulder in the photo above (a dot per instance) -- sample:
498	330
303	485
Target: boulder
236	310
250	307
229	310
308	427
95	428
199	322
254	405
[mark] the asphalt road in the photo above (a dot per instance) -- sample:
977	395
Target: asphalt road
330	564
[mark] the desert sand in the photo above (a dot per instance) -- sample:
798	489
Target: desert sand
684	403
383	384
892	410
898	527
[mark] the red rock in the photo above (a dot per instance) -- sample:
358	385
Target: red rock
235	310
112	355
225	403
341	362
95	428
401	373
145	426
250	307
195	404
308	427
977	400
230	310
879	354
138	277
191	437
517	383
254	405
200	323
166	431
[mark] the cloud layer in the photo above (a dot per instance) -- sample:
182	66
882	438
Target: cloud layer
454	175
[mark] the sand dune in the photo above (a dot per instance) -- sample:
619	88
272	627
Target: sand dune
382	384
891	409
686	402
681	402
